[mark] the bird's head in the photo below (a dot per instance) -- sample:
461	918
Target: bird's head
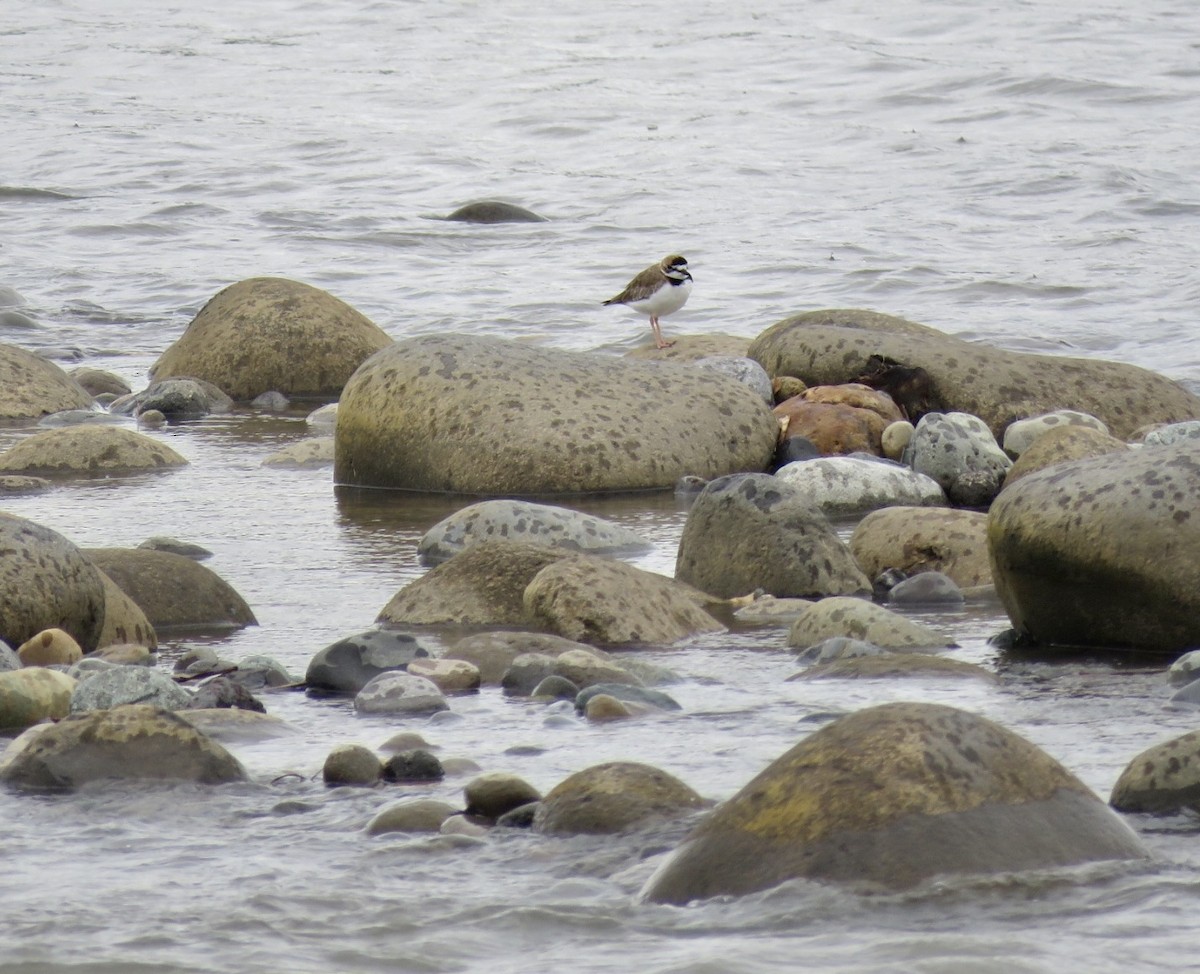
675	267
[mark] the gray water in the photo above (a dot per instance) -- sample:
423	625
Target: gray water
1024	175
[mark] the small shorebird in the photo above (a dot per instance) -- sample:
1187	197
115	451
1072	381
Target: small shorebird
657	291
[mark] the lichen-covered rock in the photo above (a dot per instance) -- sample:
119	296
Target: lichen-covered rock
1022	434
614	797
1063	443
131	742
88	450
351	764
349	664
176	399
753	531
1169	434
950	793
1102	552
853	485
124	621
269	334
1162	780
486	416
394	692
918	539
999	386
127	685
31	386
34	694
951	448
860	619
494	652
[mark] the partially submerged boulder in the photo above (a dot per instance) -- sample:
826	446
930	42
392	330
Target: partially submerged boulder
91	449
613	797
918	539
31	386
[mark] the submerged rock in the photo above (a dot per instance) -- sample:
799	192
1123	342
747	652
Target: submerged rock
31	386
1163	779
860	619
349	664
494	211
88	450
614	797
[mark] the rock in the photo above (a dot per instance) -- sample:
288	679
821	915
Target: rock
173	591
494	211
753	531
927	588
833	346
793	450
1172	434
151	418
188	549
864	620
221	691
614	797
951	793
1022	434
409	767
494	652
176	399
89	450
895	439
1162	780
414	815
47	583
127	743
351	764
586	669
269	334
513	520
448	675
604	706
767	610
745	370
125	654
527	672
566	421
406	741
498	793
31	386
920	539
692	348
50	647
128	685
1101	552
271	402
626	693
854	485
307	454
8	658
552	687
949	447
784	387
29	696
10	484
1060	445
323	417
399	693
840	419
839	648
349	664
256	671
98	382
235	724
892	666
124	621
1185	669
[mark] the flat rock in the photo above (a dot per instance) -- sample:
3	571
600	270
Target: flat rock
88	450
307	454
860	619
854	485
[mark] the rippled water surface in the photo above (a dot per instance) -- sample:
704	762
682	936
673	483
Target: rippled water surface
1023	174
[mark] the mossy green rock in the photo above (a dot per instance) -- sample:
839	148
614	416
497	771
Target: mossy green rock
34	694
89	449
1163	779
888	797
613	797
31	386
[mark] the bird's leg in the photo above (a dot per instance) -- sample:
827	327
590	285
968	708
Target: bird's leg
659	342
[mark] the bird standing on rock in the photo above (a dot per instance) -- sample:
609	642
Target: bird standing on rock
658	291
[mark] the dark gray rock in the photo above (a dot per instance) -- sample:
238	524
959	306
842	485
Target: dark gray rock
351	663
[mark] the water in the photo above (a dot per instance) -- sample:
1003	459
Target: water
1024	174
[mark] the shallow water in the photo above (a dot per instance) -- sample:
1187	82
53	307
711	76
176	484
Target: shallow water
1024	175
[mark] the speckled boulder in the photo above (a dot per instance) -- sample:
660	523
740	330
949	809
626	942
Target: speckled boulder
999	386
131	742
487	416
918	539
89	450
689	348
1162	780
853	485
172	590
860	619
34	694
1172	433
308	454
514	520
949	447
124	621
47	583
950	793
269	334
614	797
1022	434
31	386
494	652
349	664
894	666
1102	552
745	370
128	684
754	531
1063	443
400	693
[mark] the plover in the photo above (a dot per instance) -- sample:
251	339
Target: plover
657	291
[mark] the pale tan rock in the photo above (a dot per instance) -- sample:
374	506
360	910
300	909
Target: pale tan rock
50	647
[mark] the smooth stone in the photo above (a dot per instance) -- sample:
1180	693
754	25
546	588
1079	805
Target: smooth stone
554	687
125	654
927	588
891	666
31	386
572	421
99	382
128	685
603	707
413	815
323	417
273	401
514	520
493	653
151	418
864	620
1060	445
307	454
255	672
127	743
625	693
526	673
920	539
1022	434
855	485
1188	695
413	766
1185	669
124	621
188	549
615	797
691	348
497	793
950	793
50	647
222	692
349	664
88	450
946	447
448	675
269	334
1161	780
795	449
895	438
406	741
767	610
77	417
172	590
837	648
754	531
494	211
1172	434
174	400
745	370
237	726
394	692
351	764
29	696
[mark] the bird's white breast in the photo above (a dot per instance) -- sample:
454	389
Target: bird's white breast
667	299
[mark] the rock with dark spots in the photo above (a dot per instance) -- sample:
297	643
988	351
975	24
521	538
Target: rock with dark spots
1185	670
1172	433
927	588
50	647
413	815
951	448
950	793
412	415
448	675
514	520
124	621
127	743
47	583
626	693
996	385
29	696
173	591
892	665
497	793
838	648
89	450
1063	443
895	439
399	693
1102	552
222	691
307	454
1162	780
854	485
31	386
493	653
860	619
691	348
494	211
349	664
412	766
269	334
1022	434
351	764
129	685
919	539
753	531
745	370
614	797
175	400
99	382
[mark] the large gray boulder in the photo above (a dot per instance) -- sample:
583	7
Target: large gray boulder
128	684
31	386
755	531
999	386
1103	551
270	334
487	416
349	664
949	792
